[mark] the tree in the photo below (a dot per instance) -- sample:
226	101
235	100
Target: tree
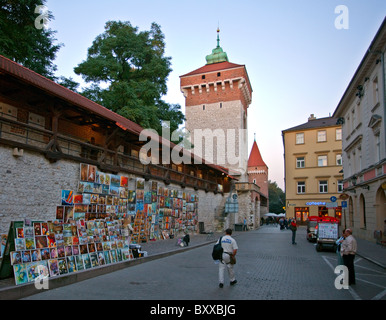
276	198
23	40
128	71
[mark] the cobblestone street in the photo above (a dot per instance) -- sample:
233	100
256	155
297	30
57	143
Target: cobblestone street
268	267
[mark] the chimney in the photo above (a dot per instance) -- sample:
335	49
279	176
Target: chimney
312	117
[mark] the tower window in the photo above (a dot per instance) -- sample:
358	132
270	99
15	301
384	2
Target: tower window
218	74
203	77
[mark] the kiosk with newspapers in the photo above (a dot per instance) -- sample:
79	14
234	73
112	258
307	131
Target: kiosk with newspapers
327	234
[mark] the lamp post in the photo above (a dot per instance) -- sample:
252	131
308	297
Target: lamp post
354	180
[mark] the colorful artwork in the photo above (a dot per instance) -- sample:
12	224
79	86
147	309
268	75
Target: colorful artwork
67	197
20	273
89	231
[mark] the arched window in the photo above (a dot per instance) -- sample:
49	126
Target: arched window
350	213
362	211
380	211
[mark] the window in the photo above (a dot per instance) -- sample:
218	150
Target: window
378	147
300	162
203	77
301	187
203	107
338	213
299	138
322	211
375	91
218	74
338	134
353	123
220	105
322	136
362	212
323	186
340	186
302	213
322	161
338	159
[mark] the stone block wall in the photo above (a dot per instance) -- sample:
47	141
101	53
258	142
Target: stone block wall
30	187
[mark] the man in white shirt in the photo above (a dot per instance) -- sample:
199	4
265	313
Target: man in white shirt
230	247
348	250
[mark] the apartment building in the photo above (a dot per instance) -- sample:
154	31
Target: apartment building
362	113
313	169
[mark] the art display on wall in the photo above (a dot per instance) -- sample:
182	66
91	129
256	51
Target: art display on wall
101	195
90	225
57	248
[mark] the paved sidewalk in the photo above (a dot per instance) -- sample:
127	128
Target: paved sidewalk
154	249
371	251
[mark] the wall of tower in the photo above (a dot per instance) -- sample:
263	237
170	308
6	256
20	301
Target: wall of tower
217	86
217	101
260	176
224	125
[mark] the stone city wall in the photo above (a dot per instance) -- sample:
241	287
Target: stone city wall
30	187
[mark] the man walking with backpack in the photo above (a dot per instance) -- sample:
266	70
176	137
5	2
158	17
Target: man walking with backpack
229	246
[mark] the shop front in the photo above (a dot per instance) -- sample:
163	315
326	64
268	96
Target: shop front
315	208
302	214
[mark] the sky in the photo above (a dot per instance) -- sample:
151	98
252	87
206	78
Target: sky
300	55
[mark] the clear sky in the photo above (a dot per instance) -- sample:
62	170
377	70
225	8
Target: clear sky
299	63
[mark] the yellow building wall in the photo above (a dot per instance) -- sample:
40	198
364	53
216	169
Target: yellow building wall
312	200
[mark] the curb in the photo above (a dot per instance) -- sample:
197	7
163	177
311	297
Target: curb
371	260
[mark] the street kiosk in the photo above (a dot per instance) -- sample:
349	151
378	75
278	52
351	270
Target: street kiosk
327	234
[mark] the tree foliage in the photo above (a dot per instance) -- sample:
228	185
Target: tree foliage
24	43
276	198
127	72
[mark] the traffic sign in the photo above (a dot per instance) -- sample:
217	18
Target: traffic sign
331	205
333	199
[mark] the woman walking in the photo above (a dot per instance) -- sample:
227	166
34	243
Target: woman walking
293	228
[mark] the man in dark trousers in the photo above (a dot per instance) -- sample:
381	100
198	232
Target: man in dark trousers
348	251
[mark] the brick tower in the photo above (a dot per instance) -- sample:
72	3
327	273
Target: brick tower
217	97
258	170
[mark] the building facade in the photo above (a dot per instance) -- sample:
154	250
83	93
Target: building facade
217	97
313	169
362	113
258	170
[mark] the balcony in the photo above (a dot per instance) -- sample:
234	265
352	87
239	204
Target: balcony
246	186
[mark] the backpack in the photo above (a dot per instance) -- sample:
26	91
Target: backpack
217	251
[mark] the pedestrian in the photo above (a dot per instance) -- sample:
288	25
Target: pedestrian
281	222
338	245
186	240
348	251
293	228
245	225
230	248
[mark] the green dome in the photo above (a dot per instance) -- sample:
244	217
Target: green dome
218	55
